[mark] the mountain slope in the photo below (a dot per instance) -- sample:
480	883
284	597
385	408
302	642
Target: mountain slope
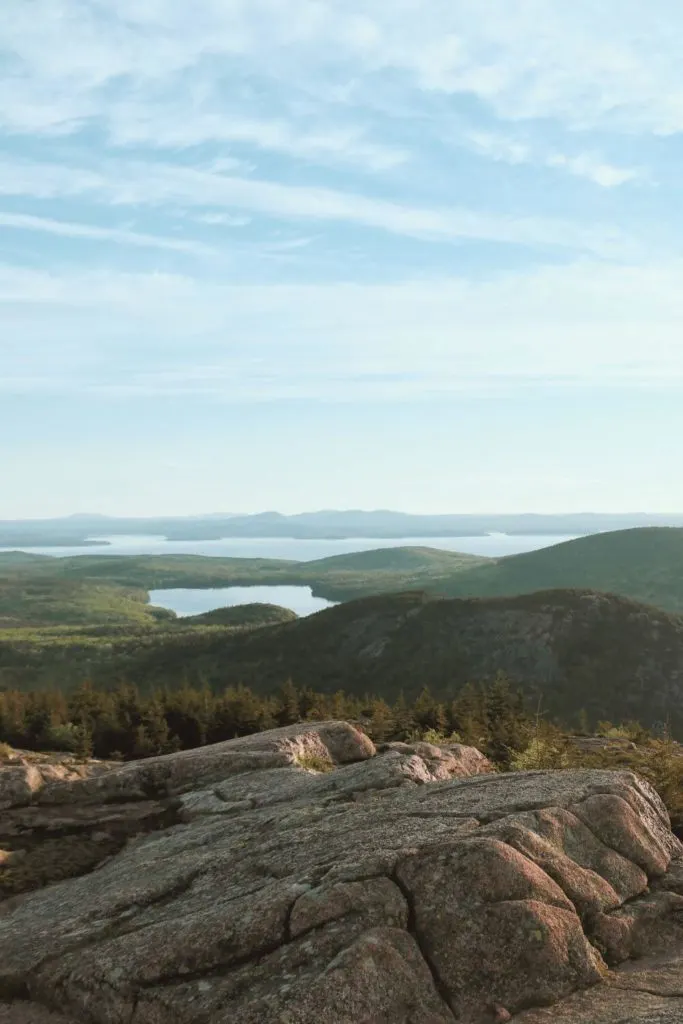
644	564
575	649
404	559
257	614
37	603
570	649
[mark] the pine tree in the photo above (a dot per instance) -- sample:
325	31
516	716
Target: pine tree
404	720
507	732
468	716
156	727
143	745
381	723
429	713
289	711
83	746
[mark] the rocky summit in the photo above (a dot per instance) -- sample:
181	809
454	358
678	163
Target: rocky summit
302	876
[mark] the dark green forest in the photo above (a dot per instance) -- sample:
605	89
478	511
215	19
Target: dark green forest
124	724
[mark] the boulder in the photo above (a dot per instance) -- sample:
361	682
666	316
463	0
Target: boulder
23	774
302	877
646	991
18	783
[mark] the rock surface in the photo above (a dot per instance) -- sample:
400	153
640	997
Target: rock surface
302	877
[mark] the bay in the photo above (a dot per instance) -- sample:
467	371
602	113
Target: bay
491	545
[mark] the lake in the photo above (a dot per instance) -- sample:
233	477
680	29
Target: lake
195	602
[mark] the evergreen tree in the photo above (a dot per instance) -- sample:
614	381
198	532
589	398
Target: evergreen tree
380	724
289	710
468	716
506	728
428	712
156	727
143	745
404	720
83	747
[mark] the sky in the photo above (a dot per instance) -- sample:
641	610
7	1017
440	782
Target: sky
300	254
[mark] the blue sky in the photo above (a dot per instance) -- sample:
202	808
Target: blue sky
310	253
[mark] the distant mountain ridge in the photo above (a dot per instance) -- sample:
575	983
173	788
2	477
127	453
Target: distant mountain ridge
326	524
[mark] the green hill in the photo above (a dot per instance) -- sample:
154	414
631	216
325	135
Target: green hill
257	614
567	649
9	559
408	559
340	578
575	649
643	564
34	601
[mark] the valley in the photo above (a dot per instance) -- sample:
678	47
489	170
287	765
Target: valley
644	565
594	624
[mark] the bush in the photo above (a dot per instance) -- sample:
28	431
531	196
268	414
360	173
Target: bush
438	738
541	753
315	762
659	762
632	731
63	738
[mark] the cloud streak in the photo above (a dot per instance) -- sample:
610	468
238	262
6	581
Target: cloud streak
169	335
509	150
155	184
97	233
582	64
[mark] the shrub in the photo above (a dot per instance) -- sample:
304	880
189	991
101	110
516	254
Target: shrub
315	762
658	761
541	753
439	739
63	737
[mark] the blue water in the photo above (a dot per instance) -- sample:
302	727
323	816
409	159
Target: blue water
195	602
299	599
493	545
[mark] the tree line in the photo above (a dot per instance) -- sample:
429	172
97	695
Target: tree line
125	723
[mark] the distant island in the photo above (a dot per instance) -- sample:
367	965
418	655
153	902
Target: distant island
82	530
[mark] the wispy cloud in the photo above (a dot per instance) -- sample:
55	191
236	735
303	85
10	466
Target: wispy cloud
498	147
575	326
155	184
580	63
180	126
594	168
225	220
120	236
591	166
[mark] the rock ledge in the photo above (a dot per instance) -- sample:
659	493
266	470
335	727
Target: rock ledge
302	877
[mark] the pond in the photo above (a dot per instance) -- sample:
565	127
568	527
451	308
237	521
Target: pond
185	601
